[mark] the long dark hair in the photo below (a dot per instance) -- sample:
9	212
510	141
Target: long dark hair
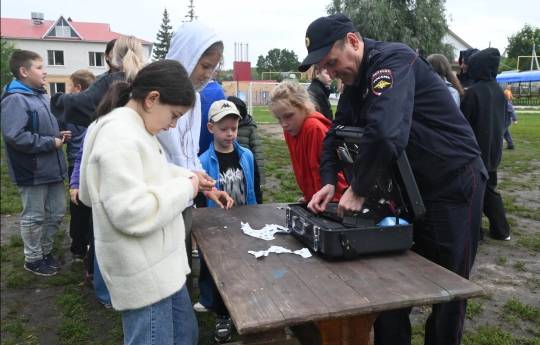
168	77
442	67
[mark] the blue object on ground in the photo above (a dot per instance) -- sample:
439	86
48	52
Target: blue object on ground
391	221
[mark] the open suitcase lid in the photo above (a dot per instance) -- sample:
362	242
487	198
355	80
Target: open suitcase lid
401	172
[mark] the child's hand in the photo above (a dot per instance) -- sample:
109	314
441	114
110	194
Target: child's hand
65	135
58	143
205	182
221	198
195	184
73	195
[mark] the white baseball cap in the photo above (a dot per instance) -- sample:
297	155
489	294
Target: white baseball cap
220	109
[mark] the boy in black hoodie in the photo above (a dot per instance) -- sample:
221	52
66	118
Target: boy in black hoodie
484	106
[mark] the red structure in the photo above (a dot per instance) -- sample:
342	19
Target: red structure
241	70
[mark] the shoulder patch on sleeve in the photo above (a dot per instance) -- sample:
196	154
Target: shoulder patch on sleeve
381	81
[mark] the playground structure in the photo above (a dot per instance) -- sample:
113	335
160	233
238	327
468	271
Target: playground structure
525	85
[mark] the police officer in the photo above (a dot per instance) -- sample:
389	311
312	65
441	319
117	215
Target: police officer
403	105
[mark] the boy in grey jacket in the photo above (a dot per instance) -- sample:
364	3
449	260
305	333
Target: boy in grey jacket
35	159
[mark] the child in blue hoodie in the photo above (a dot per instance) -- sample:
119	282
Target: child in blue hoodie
232	166
35	159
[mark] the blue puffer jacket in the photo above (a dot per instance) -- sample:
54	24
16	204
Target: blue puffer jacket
29	129
210	164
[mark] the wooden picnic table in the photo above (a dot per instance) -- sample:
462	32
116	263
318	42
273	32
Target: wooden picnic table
343	298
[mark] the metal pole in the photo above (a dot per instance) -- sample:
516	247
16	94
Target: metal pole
250	98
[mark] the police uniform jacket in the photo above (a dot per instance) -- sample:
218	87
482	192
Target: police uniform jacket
401	105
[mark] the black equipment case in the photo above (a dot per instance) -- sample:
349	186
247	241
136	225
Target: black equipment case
393	195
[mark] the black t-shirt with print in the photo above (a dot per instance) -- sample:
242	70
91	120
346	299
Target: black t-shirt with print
231	177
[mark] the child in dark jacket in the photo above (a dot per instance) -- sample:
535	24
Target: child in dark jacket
35	159
484	105
249	138
232	166
81	216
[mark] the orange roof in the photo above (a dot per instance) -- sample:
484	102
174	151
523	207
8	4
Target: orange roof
26	29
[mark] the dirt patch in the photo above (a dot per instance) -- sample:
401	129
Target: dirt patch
271	131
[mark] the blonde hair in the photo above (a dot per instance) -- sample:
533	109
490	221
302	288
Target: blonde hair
291	93
128	56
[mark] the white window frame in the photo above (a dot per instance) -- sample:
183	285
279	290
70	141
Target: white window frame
54	58
53	87
92	57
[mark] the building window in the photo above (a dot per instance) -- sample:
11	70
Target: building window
96	59
56	57
63	31
57	87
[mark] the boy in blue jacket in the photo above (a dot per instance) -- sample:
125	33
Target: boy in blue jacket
230	164
232	167
35	159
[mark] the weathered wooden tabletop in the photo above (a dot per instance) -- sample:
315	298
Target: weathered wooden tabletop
286	289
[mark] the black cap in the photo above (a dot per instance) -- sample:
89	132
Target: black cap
321	35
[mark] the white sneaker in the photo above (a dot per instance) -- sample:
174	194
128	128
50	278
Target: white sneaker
199	308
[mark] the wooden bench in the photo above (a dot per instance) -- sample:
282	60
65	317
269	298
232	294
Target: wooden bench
342	298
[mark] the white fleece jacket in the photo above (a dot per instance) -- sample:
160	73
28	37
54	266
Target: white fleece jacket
137	199
181	143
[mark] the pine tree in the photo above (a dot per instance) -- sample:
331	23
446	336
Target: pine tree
161	47
190	16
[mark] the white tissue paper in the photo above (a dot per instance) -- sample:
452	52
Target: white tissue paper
304	252
266	233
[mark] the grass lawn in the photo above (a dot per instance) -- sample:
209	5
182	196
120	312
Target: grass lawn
61	310
262	114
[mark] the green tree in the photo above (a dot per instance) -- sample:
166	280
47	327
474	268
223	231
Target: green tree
6	49
421	24
164	35
190	16
521	44
277	60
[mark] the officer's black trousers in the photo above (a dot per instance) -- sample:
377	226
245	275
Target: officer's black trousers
448	236
494	210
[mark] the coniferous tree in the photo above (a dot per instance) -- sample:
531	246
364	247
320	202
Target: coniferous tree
190	16
161	47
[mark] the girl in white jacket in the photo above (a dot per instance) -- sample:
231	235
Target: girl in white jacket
137	199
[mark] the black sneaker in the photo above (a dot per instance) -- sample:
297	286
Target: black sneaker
40	268
51	261
223	330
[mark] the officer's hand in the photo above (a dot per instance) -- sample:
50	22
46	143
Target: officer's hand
205	181
221	198
320	199
349	203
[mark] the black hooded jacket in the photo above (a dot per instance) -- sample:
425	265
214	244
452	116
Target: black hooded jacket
319	94
484	106
465	77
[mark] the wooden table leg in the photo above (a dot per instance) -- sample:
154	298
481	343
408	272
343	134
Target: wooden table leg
354	330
